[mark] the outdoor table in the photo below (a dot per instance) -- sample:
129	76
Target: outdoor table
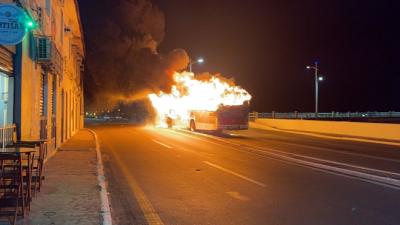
12	194
34	142
29	157
25	155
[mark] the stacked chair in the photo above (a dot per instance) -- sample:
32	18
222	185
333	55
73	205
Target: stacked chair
12	188
21	176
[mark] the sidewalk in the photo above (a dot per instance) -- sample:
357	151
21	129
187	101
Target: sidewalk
70	192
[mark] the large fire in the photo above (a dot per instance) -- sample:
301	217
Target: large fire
192	92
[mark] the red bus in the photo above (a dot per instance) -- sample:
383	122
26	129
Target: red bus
225	118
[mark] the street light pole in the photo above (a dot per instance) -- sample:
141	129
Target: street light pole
316	69
199	60
316	88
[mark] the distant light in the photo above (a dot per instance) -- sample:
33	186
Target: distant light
321	78
308	67
200	60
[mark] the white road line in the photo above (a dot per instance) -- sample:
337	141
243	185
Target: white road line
238	196
191	135
235	174
259	148
302	146
283	156
105	202
346	153
162	144
289	154
367	177
371	178
217	139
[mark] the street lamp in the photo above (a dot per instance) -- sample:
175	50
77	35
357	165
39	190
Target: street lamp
199	60
317	79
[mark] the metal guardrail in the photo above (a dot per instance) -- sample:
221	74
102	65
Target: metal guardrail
331	115
7	135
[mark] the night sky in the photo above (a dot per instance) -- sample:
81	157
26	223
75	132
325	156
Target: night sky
266	45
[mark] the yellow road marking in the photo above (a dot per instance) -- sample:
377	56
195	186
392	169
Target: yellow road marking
147	208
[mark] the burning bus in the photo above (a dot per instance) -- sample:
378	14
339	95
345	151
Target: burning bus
231	117
209	102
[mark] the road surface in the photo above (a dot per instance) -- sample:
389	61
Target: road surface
164	176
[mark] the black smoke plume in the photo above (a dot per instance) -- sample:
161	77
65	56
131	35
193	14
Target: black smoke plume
123	64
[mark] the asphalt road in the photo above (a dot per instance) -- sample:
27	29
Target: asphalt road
163	176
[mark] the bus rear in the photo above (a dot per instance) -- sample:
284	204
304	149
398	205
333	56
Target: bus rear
233	117
225	118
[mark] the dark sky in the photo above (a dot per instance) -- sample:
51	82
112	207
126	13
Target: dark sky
265	45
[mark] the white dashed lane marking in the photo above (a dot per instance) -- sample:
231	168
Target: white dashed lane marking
235	174
162	144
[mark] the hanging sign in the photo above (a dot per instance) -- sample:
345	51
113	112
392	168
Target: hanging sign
12	29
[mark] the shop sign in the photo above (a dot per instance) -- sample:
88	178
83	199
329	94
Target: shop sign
12	29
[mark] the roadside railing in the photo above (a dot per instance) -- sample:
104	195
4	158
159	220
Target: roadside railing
324	115
7	135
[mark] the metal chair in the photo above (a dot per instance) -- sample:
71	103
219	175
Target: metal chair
38	161
12	196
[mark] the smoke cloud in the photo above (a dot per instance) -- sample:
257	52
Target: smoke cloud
123	63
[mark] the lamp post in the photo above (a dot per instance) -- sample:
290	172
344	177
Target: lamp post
199	60
317	79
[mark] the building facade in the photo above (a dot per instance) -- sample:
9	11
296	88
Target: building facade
41	77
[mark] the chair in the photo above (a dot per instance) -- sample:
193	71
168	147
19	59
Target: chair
36	165
38	161
12	197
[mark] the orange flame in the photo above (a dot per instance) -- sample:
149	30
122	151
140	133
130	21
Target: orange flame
190	93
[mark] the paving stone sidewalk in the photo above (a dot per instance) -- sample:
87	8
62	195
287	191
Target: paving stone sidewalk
70	192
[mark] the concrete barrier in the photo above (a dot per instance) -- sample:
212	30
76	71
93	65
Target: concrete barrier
381	131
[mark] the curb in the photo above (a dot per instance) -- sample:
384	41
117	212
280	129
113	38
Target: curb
105	202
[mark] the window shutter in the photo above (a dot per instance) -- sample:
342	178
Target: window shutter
6	60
